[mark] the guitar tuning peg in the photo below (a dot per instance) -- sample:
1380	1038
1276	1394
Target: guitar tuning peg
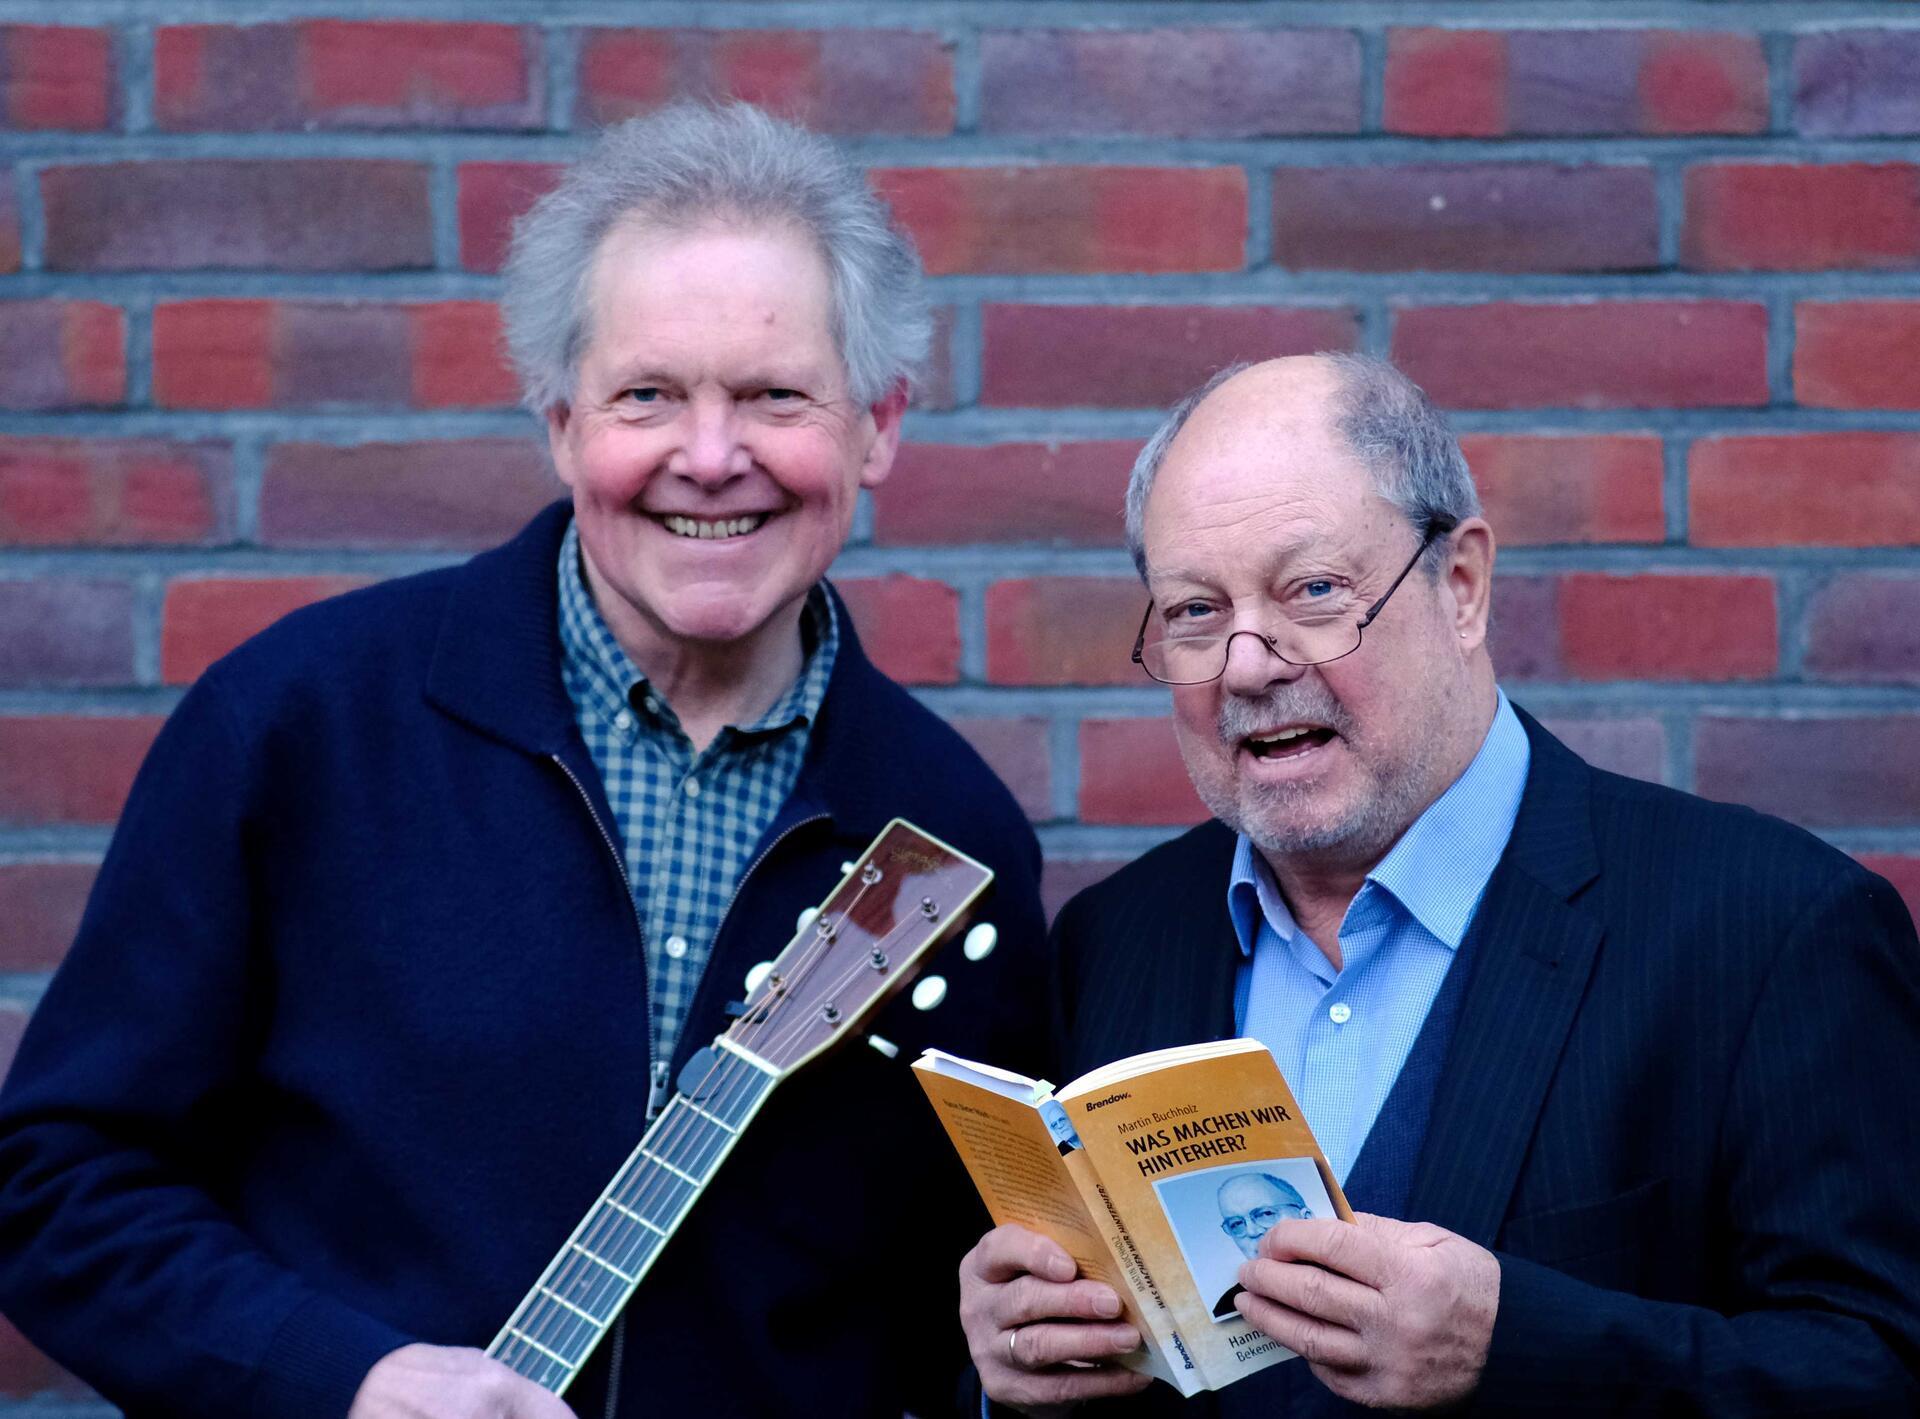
847	867
929	992
758	974
805	919
980	942
886	1047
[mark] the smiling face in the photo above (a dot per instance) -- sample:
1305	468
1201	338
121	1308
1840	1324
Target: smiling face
1261	513
712	446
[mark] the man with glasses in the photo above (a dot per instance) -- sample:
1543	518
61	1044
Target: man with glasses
1250	1203
1613	1077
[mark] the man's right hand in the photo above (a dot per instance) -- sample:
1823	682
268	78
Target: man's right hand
440	1382
1039	1337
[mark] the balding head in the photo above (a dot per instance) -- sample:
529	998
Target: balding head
1382	417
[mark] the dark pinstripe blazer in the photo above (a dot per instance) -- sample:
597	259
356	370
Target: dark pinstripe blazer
1682	1100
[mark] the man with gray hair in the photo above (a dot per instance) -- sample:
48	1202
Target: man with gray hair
425	894
1616	1079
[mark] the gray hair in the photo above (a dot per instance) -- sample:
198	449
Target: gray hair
1388	421
693	161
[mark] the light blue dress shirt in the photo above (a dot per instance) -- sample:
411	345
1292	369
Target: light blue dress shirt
1341	1037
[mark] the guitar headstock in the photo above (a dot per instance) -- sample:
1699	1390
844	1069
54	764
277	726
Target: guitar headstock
901	897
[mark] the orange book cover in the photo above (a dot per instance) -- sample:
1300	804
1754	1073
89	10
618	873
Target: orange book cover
1158	1174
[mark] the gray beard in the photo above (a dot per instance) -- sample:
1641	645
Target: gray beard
1278	818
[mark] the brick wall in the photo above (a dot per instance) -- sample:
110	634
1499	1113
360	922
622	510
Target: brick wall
1667	272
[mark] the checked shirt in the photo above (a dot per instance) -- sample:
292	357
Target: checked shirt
688	822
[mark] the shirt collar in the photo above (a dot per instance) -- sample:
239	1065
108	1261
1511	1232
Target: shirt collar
600	662
1439	868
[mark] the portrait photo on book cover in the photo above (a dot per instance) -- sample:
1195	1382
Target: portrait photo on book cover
1218	1216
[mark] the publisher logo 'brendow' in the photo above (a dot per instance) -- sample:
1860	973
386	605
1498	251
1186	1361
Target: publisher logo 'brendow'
1093	1104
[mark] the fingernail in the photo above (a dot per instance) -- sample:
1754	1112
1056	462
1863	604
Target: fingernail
1108	1305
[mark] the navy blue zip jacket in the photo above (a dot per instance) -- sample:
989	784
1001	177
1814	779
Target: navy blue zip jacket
355	1031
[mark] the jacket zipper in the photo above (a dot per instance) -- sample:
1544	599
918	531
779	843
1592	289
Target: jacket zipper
656	1072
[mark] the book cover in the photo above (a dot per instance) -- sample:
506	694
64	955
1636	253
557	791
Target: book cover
1158	1174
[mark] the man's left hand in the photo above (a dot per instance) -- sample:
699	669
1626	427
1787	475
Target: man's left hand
1389	1314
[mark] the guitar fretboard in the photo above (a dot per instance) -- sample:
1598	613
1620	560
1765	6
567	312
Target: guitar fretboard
563	1317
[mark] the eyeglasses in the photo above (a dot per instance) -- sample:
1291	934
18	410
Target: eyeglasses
1327	629
1264	1218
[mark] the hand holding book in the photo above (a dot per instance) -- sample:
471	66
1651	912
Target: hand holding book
1039	1336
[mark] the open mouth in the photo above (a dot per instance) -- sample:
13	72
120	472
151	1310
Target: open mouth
709	529
1288	743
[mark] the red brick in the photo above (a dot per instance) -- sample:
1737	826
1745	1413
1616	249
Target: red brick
1556	488
450	493
1857	354
9	225
1018	753
24	1372
205	617
1524	635
56	76
1466	217
1657	627
1856	83
1902	872
1170	82
1130	772
1135	357
1600	355
1634	747
910	626
1703	83
1863	626
388	74
117	492
491	195
347	74
250	354
69	769
1064	630
459	356
1012	492
66	631
1063	879
1833	490
283	214
1819	772
834	81
40	906
1068	219
1446	83
62	354
1786	217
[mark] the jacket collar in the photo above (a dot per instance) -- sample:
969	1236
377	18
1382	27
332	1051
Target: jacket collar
497	667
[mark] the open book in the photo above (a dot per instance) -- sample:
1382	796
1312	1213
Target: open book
1158	1174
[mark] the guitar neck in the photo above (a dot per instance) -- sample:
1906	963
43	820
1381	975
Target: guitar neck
555	1328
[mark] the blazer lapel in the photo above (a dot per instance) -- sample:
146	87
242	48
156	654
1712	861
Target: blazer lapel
1534	953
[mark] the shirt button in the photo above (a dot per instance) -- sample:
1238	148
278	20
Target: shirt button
676	946
693	788
623	720
1340	1013
652	704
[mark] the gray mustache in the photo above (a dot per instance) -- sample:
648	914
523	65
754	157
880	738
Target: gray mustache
1242	715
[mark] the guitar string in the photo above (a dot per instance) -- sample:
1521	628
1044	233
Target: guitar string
569	1272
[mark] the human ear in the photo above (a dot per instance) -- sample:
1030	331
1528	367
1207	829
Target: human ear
1468	579
887	415
559	416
